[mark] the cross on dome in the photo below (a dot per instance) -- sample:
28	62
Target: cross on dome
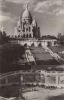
27	6
26	14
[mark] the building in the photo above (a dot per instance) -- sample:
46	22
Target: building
27	26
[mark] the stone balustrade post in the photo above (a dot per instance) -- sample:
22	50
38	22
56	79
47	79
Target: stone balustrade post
57	80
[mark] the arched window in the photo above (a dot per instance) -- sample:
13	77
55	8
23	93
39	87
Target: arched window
25	45
18	36
29	29
49	43
23	35
26	29
40	45
32	45
26	35
30	36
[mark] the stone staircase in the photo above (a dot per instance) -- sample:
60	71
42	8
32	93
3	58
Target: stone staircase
29	56
54	55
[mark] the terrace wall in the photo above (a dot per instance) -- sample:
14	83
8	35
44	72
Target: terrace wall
36	43
46	78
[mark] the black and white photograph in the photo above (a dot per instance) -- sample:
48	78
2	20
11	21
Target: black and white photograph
31	49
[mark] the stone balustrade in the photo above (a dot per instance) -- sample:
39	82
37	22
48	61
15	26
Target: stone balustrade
46	78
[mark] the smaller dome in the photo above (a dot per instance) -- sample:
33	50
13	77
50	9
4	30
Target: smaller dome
34	22
18	24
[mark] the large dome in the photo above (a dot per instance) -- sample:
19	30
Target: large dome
26	14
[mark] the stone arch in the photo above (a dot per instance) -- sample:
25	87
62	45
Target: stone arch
18	35
39	45
30	36
49	43
29	29
32	45
23	35
26	35
25	45
55	42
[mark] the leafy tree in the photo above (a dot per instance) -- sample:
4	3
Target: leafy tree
9	54
60	39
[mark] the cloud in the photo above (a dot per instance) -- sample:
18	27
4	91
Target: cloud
60	12
2	4
16	1
21	1
5	17
50	7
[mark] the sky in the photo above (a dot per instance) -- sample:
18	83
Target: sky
49	15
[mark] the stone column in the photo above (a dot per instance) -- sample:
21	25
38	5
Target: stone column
52	43
46	82
57	80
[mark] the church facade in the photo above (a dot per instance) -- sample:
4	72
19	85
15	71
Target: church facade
27	26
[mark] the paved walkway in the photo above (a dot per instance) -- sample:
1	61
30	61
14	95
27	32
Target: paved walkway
43	94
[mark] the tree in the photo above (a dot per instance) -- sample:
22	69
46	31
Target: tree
59	35
60	38
9	54
0	36
3	37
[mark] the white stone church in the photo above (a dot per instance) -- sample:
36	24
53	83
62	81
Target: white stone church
27	31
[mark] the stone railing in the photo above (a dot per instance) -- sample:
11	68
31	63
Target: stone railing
45	78
52	79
